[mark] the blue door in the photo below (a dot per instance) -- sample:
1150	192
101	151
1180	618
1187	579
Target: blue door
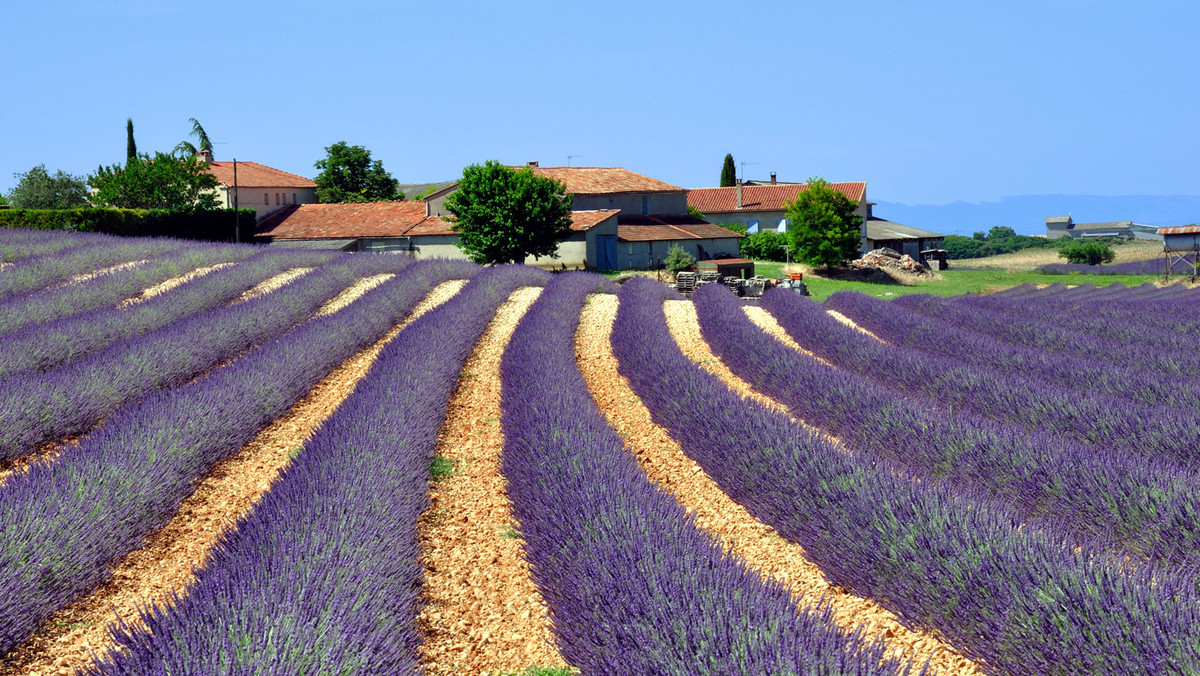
606	252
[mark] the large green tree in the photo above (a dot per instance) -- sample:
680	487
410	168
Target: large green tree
503	214
349	175
187	149
1086	252
161	182
824	229
728	172
38	189
130	144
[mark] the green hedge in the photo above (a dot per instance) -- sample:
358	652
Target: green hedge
213	226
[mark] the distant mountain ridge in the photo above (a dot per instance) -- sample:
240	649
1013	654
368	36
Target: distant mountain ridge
1027	213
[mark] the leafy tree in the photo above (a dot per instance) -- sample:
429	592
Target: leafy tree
3	200
1087	252
130	144
503	214
764	246
739	228
162	182
825	230
728	172
1001	232
37	189
958	247
186	149
694	212
349	175
678	259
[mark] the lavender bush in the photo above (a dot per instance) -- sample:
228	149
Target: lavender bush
1013	599
33	273
66	522
340	524
39	407
632	585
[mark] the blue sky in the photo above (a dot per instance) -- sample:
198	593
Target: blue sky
929	102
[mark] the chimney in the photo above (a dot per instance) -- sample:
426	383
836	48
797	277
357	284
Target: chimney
739	193
772	178
531	164
205	156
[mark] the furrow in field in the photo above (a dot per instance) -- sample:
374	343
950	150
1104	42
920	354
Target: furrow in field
79	279
758	544
484	614
851	323
163	287
269	285
72	637
352	293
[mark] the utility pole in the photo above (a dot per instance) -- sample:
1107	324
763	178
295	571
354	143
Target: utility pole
237	235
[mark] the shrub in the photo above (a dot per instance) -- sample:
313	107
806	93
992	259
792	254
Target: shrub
678	259
1087	253
215	226
764	246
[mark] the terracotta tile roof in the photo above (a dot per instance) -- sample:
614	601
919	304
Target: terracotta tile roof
762	197
668	228
359	219
603	180
255	175
377	219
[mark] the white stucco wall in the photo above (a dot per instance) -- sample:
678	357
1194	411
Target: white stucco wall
265	200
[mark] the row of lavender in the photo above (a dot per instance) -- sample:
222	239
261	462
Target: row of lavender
67	520
37	407
1123	504
633	587
1016	599
340	524
1154	266
1070	322
1125	425
114	287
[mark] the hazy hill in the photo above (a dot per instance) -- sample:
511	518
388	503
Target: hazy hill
1027	213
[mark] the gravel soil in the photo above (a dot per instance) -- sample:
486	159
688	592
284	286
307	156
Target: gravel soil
484	614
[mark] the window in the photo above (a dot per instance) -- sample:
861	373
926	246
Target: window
276	199
266	199
751	227
294	198
783	224
645	205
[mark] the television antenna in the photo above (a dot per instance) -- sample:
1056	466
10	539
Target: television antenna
744	163
571	157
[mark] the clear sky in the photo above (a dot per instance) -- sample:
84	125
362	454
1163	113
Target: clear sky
929	102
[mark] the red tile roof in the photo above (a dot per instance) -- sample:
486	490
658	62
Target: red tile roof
377	219
603	180
255	175
358	219
667	228
761	197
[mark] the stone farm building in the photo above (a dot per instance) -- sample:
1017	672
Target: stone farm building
259	187
762	207
620	220
1058	226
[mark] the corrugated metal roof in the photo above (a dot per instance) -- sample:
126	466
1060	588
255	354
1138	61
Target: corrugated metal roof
1180	230
879	229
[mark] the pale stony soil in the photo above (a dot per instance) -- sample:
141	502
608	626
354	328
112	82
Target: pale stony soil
743	535
165	286
352	294
104	271
850	322
269	285
147	576
484	614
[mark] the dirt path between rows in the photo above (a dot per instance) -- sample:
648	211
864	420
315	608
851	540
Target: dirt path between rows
268	285
744	536
79	279
167	285
230	491
484	614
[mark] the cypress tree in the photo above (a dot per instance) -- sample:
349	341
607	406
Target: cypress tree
728	172
130	146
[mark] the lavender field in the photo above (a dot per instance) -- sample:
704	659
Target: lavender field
243	460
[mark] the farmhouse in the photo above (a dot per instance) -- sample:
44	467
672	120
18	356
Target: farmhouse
407	227
1059	226
259	187
762	206
900	238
